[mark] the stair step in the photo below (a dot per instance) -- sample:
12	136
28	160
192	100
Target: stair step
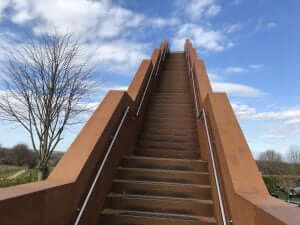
170	125
146	143
175	81
171	105
171	94
170	118
180	128
126	217
168	153
163	175
175	138
175	63
160	204
173	101
189	122
202	192
169	73
175	113
169	131
164	163
177	68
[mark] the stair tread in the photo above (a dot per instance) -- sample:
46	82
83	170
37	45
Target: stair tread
164	181
168	150
172	154
163	159
164	170
159	215
161	183
155	197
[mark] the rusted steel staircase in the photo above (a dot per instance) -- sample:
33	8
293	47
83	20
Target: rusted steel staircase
169	151
164	181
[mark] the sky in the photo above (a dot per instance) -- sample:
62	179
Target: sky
250	48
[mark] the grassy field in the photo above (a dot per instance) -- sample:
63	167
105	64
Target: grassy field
30	175
8	170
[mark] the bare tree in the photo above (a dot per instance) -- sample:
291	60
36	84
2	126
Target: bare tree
270	163
45	84
270	155
293	154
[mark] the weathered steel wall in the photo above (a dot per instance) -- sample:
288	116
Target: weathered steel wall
246	199
57	199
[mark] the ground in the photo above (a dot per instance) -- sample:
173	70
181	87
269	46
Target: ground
14	175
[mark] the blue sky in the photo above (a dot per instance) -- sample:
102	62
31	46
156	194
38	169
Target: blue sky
251	50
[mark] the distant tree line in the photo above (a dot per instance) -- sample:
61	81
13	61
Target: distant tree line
272	162
280	172
22	155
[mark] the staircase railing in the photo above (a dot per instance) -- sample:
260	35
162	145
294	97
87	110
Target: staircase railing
191	73
156	68
203	115
218	185
72	189
87	198
239	187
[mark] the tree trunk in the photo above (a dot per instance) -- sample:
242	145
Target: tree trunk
43	173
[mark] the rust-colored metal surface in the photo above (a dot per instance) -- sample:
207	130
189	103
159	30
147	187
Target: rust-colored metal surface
167	151
57	200
245	198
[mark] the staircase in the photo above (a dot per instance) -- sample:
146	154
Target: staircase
164	181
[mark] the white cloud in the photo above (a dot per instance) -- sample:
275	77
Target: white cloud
213	76
103	27
213	10
243	111
107	87
117	56
159	22
102	17
263	25
290	116
234	89
203	38
272	137
239	69
3	5
196	9
63	15
277	125
256	66
231	69
232	28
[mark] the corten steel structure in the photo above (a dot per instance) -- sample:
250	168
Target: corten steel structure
167	151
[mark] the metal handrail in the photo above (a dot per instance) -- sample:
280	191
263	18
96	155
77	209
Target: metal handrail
193	82
191	73
148	82
87	198
215	170
160	58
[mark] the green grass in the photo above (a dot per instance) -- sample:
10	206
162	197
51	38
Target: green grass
8	170
29	176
